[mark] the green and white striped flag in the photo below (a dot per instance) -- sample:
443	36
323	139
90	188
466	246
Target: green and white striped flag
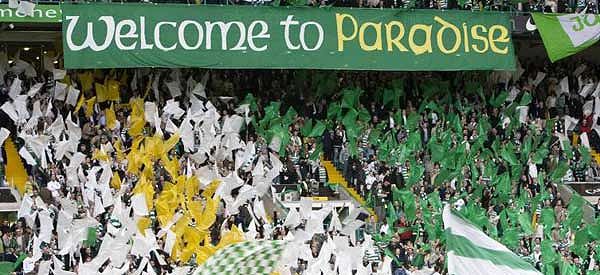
472	252
253	257
564	35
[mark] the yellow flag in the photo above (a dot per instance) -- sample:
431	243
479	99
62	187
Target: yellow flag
172	166
112	90
191	186
209	191
204	252
171	142
89	106
233	236
111	118
100	155
137	121
145	187
142	224
16	174
86	79
181	225
166	204
134	162
209	215
193	236
195	208
186	253
101	92
115	182
119	150
80	102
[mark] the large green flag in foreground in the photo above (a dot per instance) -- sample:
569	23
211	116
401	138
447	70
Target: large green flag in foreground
470	251
564	35
253	257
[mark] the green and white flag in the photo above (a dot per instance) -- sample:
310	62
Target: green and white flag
253	257
472	252
564	35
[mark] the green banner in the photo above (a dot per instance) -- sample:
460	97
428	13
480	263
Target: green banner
567	34
41	14
138	35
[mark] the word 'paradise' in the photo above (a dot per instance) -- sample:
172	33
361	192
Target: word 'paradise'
368	36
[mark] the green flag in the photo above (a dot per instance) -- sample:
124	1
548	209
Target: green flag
594	230
390	254
526	149
7	267
503	186
391	216
307	127
549	256
581	240
349	119
289	116
408	201
390	98
318	129
334	111
525	223
415	174
548	252
283	134
91	237
412	121
575	210
540	155
585	155
499	99
511	238
351	98
560	171
547	220
567	269
567	148
525	99
363	114
250	100
508	155
315	155
564	35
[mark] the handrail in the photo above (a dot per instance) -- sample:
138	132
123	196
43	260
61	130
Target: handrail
511	11
580	182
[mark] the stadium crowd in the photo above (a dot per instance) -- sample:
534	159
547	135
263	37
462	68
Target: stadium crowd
181	150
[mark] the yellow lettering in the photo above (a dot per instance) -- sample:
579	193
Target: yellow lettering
339	19
396	40
426	46
377	46
466	37
440	35
502	38
476	36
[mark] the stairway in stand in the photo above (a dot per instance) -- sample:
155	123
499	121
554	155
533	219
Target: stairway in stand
334	176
